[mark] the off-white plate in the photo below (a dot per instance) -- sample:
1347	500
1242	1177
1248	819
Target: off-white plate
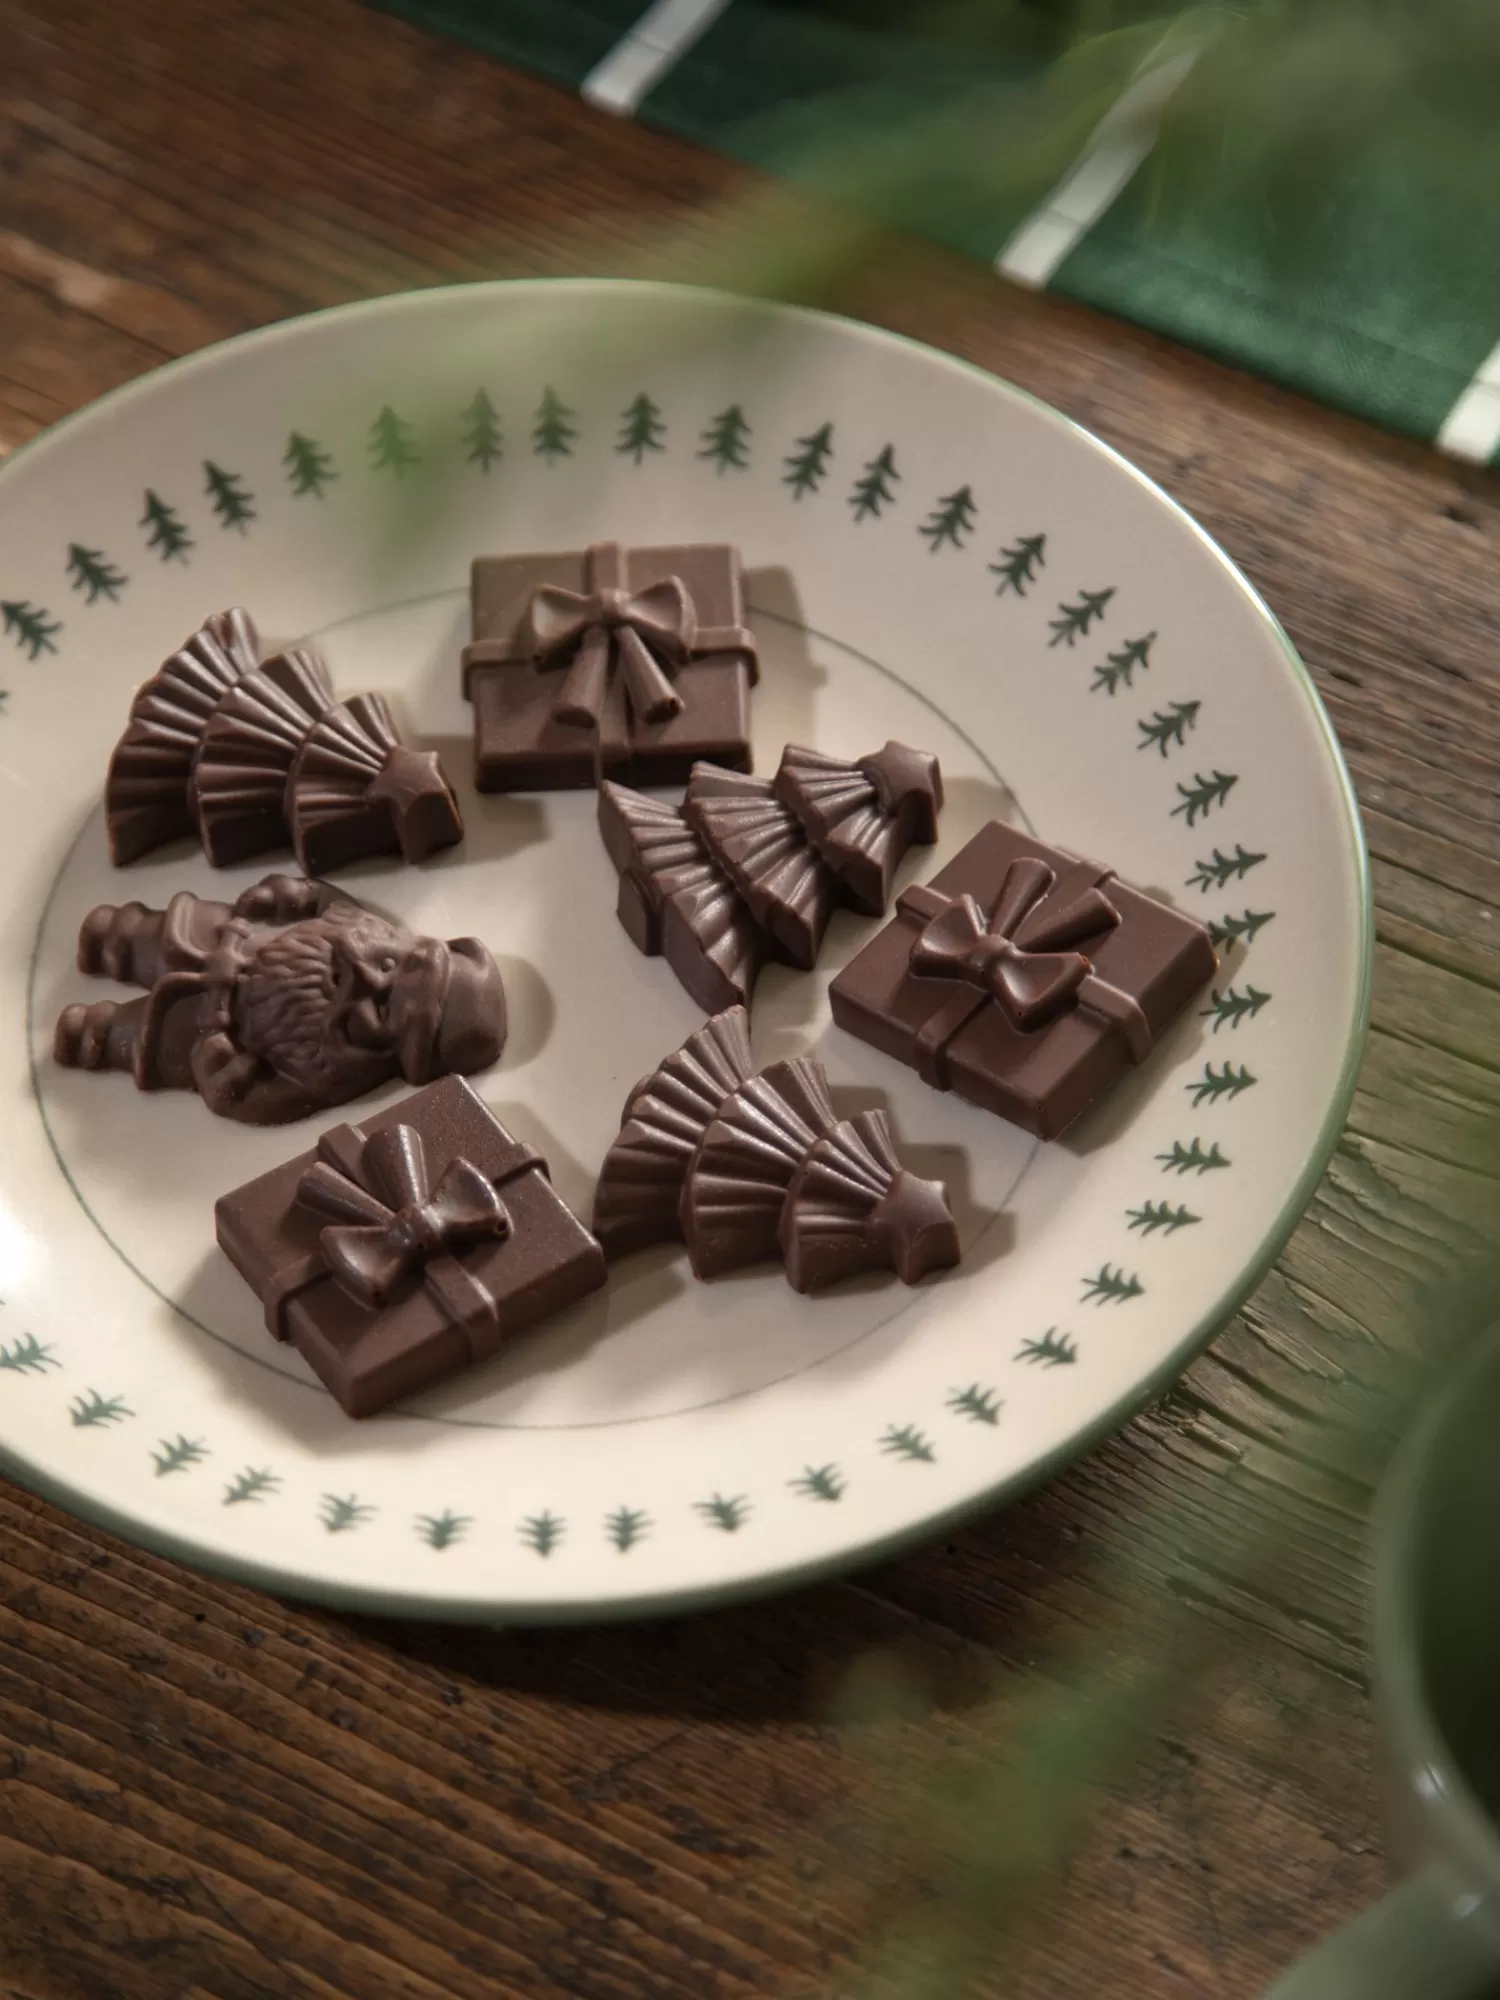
931	556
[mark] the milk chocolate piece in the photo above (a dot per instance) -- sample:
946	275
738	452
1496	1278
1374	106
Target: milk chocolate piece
355	790
398	1252
249	744
677	902
853	1207
292	999
1023	979
737	1180
608	662
862	817
638	1198
760	845
146	798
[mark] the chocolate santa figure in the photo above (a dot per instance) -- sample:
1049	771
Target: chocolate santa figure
294	998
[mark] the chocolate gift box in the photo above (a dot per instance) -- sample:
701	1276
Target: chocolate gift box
1023	979
403	1250
608	662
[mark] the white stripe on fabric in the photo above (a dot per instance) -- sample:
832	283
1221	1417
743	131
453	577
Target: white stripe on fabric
1116	147
1471	428
641	58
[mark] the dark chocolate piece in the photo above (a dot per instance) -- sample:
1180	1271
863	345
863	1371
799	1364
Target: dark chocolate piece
862	817
403	1250
786	885
675	900
852	1207
249	744
639	1194
146	798
292	999
738	1178
356	790
608	662
1023	979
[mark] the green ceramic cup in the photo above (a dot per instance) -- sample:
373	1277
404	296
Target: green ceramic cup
1436	1936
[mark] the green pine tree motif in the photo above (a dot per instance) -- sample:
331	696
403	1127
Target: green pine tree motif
1053	1350
642	429
728	1514
1168	726
92	1408
1154	1215
1203	794
1073	620
34	631
178	1453
950	520
807	465
819	1482
980	1406
1110	1282
554	434
906	1441
4	698
392	443
92	572
542	1532
165	529
232	504
341	1513
1017	566
28	1356
483	443
308	466
626	1526
1239	930
873	489
441	1531
1119	668
727	439
1214	1084
1222	868
1231	1007
250	1485
1191	1159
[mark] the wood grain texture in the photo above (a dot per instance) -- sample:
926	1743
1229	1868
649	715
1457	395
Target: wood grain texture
207	1793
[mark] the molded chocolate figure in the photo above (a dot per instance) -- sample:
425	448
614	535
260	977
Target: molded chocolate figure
290	1000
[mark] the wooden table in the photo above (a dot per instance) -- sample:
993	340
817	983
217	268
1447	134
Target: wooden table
206	1792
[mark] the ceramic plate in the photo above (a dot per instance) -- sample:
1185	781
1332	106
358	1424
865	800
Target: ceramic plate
933	557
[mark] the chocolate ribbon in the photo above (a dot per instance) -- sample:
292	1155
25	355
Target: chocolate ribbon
1023	957
641	633
391	1222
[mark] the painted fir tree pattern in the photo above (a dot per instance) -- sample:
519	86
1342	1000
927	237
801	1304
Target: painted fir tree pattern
727	1512
873	489
1154	1215
642	428
1229	1008
553	433
1192	1159
978	1404
1221	869
177	1454
309	468
626	1526
341	1513
253	1484
951	520
233	504
726	441
1050	1350
92	1409
1017	565
804	468
28	1356
441	1531
1203	795
819	1482
166	531
482	439
1231	929
542	1532
1119	668
34	630
906	1441
1109	1283
92	572
1214	1084
1073	621
392	444
1167	727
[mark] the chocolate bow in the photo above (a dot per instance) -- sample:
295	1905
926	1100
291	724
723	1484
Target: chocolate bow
1018	957
642	632
392	1222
